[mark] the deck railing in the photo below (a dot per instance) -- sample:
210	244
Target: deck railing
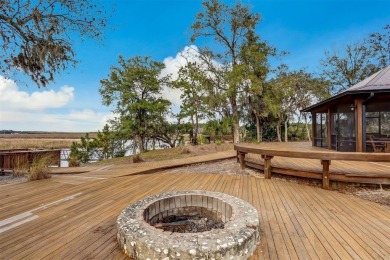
12	159
324	156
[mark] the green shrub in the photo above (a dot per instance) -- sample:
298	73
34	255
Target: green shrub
73	162
202	140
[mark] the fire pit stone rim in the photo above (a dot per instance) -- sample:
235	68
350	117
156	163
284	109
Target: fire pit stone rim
140	240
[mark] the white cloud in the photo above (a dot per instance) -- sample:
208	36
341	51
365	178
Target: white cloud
85	114
12	97
49	110
45	110
108	117
85	120
172	67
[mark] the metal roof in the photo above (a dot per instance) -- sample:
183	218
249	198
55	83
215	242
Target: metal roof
377	82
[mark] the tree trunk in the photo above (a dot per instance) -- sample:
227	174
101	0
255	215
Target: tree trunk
236	121
196	128
142	144
258	131
261	133
285	131
278	129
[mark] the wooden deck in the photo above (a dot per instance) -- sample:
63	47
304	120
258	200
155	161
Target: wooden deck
303	160
73	216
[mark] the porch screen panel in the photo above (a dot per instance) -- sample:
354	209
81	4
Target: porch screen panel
385	123
321	134
346	125
378	126
334	130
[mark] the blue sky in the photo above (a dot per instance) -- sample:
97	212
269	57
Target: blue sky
160	28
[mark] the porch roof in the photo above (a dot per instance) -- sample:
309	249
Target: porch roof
378	82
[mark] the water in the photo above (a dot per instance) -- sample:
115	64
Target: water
158	145
64	157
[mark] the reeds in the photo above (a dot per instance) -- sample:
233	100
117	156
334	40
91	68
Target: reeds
15	143
47	136
40	168
20	166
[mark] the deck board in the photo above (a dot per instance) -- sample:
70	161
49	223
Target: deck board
297	221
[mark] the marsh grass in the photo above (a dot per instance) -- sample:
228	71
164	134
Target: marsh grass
40	168
20	143
48	136
20	166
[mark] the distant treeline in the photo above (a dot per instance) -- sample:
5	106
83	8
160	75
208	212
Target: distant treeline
43	134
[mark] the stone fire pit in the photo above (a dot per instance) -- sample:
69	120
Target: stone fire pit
144	233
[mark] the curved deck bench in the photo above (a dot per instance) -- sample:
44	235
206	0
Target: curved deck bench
269	151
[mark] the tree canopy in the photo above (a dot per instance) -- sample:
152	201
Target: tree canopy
355	62
36	36
134	87
233	83
233	29
193	83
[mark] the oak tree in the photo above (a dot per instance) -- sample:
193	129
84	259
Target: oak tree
228	26
134	88
192	81
355	62
37	37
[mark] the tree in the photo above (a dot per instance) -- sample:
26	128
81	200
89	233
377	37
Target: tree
380	44
109	144
356	61
259	108
105	146
172	133
255	67
135	86
293	91
83	151
36	36
218	127
191	82
229	26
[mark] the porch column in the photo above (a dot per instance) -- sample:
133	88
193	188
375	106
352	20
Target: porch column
329	129
359	124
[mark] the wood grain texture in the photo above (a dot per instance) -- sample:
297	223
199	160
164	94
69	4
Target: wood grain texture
302	160
297	221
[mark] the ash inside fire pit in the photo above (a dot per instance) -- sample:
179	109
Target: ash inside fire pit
188	223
